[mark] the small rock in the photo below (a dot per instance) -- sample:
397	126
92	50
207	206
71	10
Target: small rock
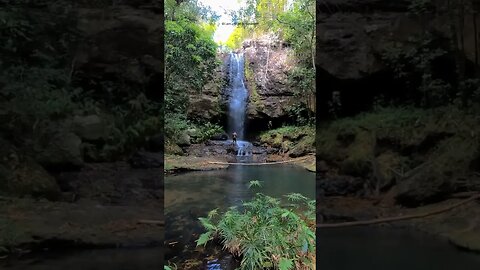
62	151
22	176
219	137
90	127
183	140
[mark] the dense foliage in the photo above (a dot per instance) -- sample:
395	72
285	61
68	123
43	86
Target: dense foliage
293	23
190	57
266	234
432	67
42	87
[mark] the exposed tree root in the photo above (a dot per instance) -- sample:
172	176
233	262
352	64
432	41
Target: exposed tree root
399	218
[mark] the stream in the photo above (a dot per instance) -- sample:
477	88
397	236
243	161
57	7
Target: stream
192	195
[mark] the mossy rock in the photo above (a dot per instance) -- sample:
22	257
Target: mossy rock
438	178
291	134
173	149
21	176
328	147
272	139
387	163
305	146
62	149
183	140
360	154
286	146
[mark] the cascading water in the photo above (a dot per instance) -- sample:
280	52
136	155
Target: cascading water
239	95
238	105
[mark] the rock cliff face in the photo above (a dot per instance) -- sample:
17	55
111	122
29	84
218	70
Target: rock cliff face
122	44
351	36
267	65
211	104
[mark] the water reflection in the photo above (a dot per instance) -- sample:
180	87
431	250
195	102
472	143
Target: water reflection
114	259
191	195
394	249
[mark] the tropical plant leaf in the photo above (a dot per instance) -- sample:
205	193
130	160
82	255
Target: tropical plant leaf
295	197
213	213
207	224
254	183
204	238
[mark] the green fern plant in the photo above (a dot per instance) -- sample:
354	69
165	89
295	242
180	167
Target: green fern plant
266	234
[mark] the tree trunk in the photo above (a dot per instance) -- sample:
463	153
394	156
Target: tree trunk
476	36
453	11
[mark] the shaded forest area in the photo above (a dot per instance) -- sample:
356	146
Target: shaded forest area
427	56
80	96
399	93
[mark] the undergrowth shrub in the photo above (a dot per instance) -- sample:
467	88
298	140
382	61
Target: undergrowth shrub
266	233
206	131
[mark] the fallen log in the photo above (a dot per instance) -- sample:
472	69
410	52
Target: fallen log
399	218
259	164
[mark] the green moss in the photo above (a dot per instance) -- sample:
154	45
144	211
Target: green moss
296	140
453	157
390	162
404	141
172	149
360	154
252	86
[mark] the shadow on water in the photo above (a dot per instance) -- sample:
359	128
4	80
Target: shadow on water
387	248
192	195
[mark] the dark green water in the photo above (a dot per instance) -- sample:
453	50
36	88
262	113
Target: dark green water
192	195
373	248
113	259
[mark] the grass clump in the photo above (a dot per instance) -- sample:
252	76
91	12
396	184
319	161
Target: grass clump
266	234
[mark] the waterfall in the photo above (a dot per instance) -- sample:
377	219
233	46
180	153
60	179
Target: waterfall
238	106
239	95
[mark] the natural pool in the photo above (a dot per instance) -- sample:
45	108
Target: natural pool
192	195
376	248
103	259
